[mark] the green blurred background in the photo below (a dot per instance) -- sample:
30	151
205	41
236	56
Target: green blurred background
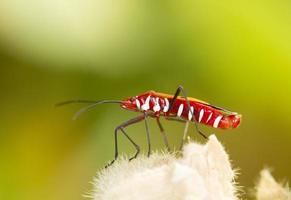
234	54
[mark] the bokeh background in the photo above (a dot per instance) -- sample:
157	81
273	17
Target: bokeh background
234	54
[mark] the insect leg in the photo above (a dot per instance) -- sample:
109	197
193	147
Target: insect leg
134	144
184	135
185	129
121	128
181	89
172	118
200	132
148	133
163	134
184	121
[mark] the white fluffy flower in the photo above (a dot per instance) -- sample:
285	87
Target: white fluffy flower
268	189
202	173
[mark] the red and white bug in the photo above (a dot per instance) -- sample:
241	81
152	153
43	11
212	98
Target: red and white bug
171	107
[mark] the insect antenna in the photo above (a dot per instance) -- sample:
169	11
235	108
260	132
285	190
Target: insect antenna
74	101
89	107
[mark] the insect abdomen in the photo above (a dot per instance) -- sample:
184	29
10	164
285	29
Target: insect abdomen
200	113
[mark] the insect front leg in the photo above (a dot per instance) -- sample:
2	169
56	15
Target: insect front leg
148	133
121	128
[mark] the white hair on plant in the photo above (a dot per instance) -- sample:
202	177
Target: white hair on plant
203	173
268	189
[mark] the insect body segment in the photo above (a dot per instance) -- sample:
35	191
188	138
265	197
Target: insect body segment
201	112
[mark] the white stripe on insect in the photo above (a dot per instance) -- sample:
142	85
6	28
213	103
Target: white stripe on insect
216	121
191	113
166	107
146	104
157	106
209	117
201	113
180	110
137	103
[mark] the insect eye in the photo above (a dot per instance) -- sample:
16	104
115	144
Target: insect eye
132	99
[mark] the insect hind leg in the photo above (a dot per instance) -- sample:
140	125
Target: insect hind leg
179	90
200	132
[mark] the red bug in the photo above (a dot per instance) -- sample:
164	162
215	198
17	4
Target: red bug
171	107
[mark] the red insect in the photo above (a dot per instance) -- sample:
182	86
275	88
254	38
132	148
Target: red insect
171	107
